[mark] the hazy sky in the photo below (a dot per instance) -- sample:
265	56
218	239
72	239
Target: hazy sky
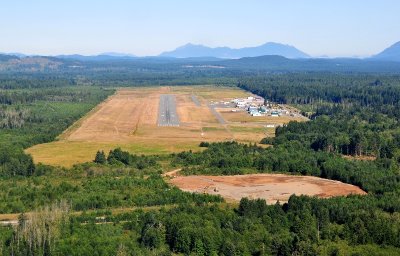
148	27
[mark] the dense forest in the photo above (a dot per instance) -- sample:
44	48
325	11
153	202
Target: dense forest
353	114
111	68
38	115
121	205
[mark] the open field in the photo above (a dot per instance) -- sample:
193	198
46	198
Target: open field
131	118
271	187
67	153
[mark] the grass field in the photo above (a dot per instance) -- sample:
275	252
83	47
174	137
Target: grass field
128	120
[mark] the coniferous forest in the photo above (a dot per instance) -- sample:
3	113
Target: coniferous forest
352	136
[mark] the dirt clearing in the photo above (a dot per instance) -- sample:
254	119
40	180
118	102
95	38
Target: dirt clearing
271	187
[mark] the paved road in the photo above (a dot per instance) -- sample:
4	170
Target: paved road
9	222
167	115
196	100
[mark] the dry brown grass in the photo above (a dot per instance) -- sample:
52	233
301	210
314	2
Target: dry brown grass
128	120
190	113
360	158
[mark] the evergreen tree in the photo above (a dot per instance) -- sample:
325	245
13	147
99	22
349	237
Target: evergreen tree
100	157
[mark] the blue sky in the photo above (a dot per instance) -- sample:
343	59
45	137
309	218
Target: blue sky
148	27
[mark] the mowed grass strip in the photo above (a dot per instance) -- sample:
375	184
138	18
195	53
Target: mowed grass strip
259	129
68	153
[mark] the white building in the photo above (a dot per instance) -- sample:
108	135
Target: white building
275	113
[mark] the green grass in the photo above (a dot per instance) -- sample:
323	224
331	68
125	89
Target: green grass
210	129
68	153
248	129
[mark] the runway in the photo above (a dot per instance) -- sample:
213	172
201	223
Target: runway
217	115
196	100
167	115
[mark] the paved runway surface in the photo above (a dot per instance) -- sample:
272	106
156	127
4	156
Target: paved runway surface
196	100
167	115
219	117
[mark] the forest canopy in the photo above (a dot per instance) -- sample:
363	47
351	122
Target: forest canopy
120	204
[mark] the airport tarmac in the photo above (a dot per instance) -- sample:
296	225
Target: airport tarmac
196	100
167	115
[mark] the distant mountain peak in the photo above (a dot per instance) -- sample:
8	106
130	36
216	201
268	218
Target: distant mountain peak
274	43
396	44
117	54
190	44
271	48
391	53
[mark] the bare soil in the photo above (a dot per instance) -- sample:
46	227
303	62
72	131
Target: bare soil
271	187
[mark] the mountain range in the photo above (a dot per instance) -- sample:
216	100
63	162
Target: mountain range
100	57
192	50
204	53
391	54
